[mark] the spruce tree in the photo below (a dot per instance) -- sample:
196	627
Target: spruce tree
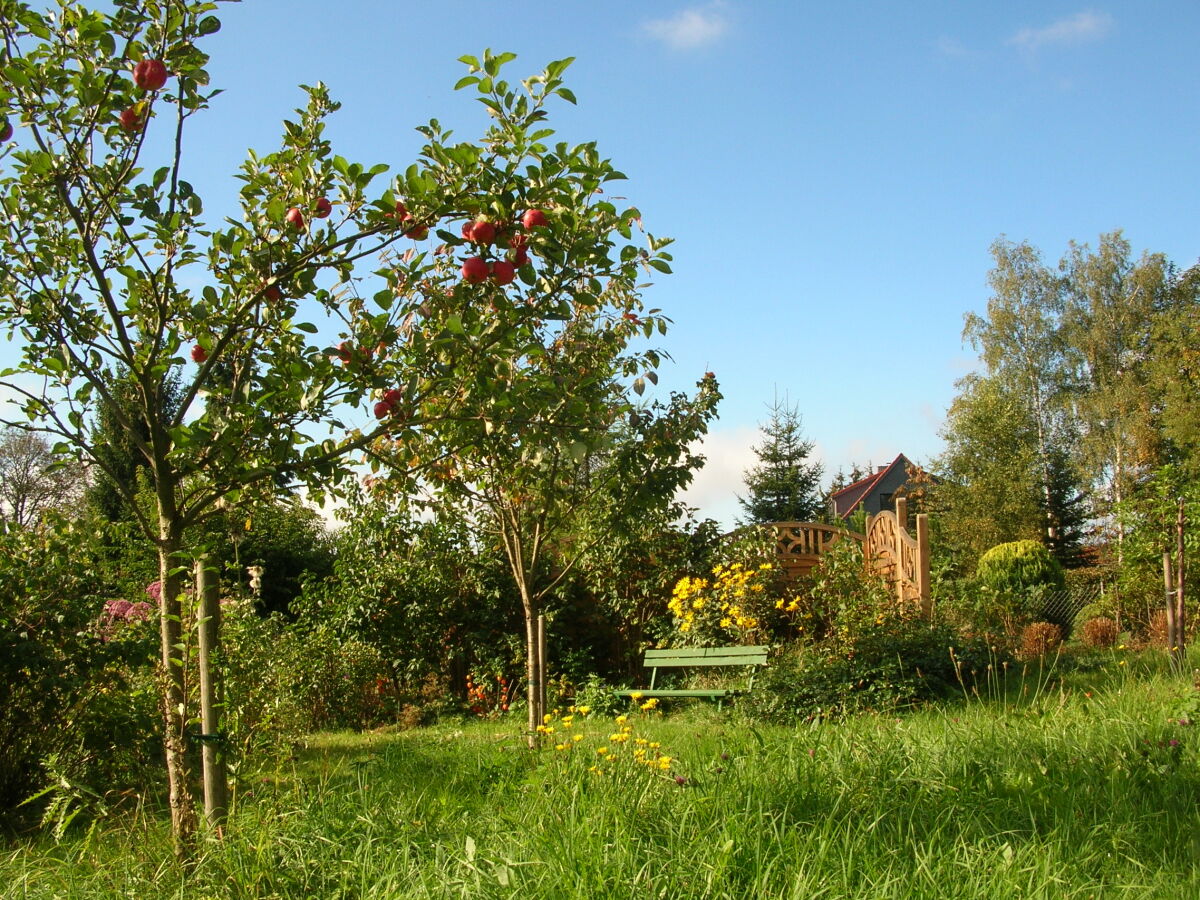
783	487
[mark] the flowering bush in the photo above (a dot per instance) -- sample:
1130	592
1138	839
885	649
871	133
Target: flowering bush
738	603
118	613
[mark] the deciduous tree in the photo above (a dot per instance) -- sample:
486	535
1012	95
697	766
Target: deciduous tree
107	264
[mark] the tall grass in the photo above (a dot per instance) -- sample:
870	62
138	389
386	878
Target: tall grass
1051	787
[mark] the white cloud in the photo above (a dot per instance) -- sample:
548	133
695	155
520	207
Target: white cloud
690	28
728	453
952	47
1077	29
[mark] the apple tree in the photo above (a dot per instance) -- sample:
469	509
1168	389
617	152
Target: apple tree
116	285
549	449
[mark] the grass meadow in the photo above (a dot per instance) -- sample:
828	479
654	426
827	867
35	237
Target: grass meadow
1039	785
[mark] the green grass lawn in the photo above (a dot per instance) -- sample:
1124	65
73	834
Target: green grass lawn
1086	786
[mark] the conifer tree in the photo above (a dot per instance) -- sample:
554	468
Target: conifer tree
783	487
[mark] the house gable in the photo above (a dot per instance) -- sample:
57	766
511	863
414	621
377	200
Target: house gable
873	493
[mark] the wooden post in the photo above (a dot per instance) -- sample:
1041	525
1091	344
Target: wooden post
1169	599
902	513
216	787
868	550
923	587
541	652
1179	645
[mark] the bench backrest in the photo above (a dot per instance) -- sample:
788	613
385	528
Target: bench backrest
707	656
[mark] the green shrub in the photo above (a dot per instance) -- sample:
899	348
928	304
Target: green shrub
76	655
1018	566
1012	582
905	664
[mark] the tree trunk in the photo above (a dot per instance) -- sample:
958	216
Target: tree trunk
216	787
173	694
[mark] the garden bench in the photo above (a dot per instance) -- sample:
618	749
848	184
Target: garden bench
699	657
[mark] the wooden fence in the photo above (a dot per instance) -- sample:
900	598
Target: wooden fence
888	548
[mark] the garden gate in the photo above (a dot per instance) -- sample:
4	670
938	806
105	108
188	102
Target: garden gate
889	550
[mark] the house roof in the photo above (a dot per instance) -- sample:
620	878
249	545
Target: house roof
846	500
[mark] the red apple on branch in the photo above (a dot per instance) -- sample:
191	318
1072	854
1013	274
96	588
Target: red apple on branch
383	409
6	129
295	218
474	270
131	119
150	74
503	272
484	232
535	218
414	229
199	354
322	208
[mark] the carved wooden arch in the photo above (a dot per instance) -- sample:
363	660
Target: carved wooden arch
888	550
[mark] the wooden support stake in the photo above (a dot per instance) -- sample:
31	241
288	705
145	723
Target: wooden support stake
1180	643
541	652
216	786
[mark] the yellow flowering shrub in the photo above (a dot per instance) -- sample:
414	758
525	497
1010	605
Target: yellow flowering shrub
736	602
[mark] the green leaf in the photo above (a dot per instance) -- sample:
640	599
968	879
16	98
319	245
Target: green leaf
466	81
566	95
209	25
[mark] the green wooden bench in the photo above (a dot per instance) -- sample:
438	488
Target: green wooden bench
699	657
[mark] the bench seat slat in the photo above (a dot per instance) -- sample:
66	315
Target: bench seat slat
680	692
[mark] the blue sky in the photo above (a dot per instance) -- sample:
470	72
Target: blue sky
833	174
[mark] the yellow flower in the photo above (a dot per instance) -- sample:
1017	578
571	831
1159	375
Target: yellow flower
603	751
583	710
650	704
547	718
636	695
621	720
577	737
664	762
560	746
